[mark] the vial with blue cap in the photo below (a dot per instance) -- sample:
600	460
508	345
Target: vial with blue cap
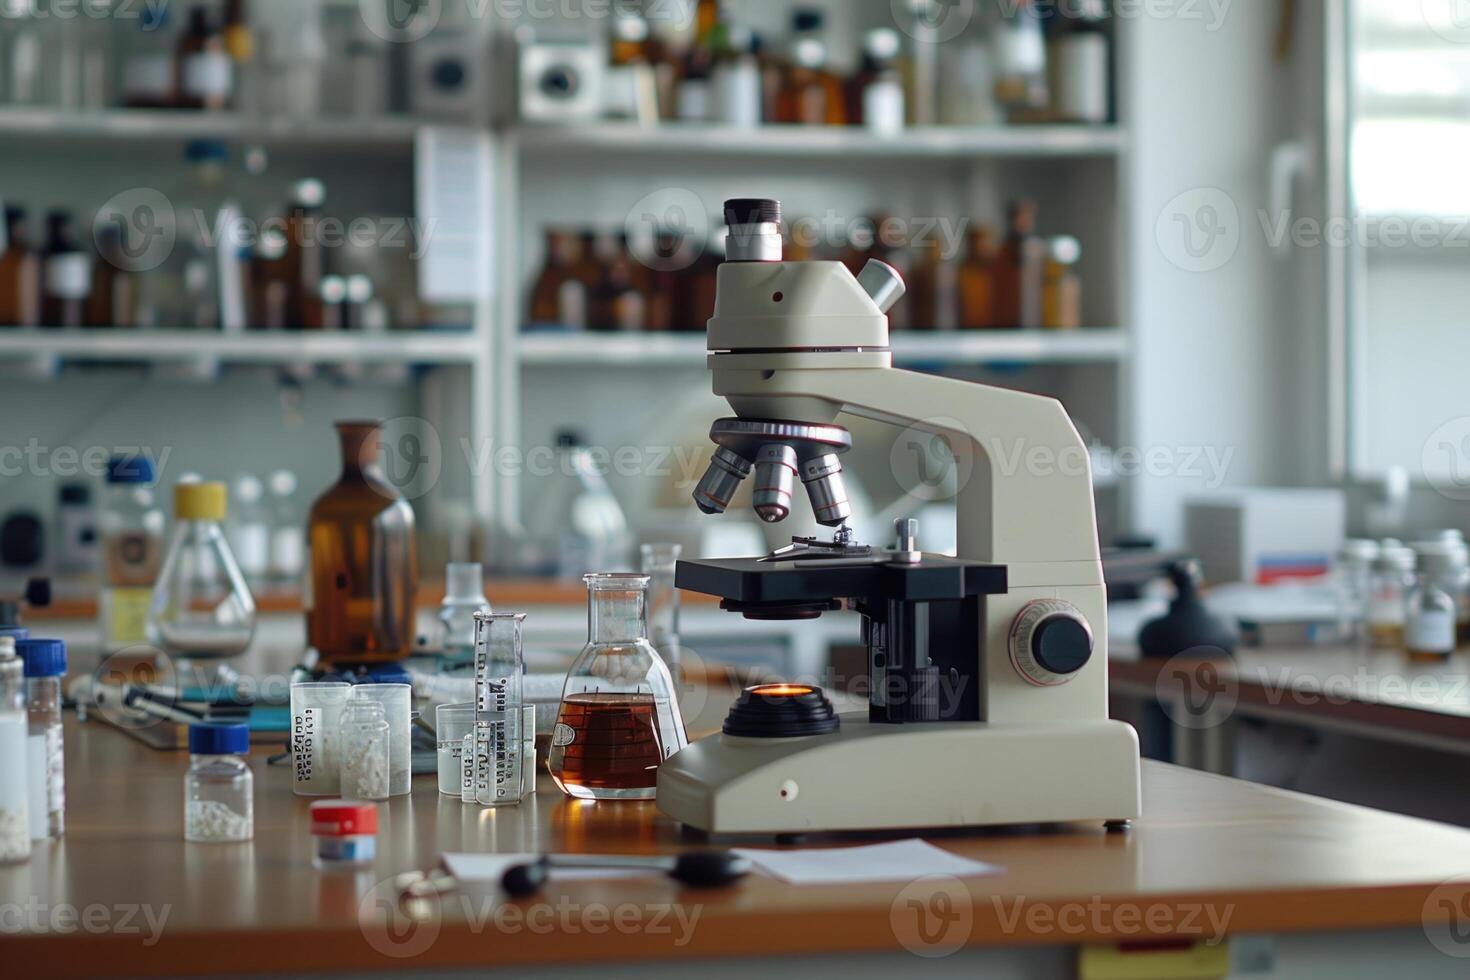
44	663
219	787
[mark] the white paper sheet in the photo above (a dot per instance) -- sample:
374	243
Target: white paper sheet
903	860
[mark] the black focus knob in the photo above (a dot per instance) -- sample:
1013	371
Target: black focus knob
1050	642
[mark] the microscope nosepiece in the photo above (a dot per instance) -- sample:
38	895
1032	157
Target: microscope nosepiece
827	490
775	480
720	481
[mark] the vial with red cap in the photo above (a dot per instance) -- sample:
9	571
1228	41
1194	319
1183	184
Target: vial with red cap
345	831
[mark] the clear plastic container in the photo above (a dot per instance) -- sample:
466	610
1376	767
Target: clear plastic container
397	702
619	718
364	751
131	529
316	732
452	723
659	563
219	796
464	595
44	663
500	666
202	607
15	829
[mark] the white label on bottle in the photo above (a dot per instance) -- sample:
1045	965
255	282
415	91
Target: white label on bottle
36	784
883	110
208	75
252	548
69	275
1080	77
467	769
1430	631
693	101
304	733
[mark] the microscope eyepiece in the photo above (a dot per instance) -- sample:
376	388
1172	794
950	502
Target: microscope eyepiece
775	479
755	230
752	211
720	481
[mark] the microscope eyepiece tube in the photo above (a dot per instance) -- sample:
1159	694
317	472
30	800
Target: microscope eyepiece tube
720	481
755	230
827	490
775	479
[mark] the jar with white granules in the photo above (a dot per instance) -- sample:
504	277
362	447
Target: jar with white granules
218	789
15	830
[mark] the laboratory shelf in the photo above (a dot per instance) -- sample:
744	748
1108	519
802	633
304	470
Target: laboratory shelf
696	140
159	346
1087	346
41	125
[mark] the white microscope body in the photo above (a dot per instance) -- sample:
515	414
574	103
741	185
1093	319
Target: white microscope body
806	343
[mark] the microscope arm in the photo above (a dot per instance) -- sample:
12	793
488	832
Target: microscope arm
1027	499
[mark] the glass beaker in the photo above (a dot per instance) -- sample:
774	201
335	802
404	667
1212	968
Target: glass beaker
452	722
499	668
365	752
659	562
618	719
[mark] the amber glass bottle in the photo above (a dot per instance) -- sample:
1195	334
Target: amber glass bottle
20	274
364	568
978	282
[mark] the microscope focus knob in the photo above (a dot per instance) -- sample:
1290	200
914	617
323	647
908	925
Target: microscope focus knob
1050	642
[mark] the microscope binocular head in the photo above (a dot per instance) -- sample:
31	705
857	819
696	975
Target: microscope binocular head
780	453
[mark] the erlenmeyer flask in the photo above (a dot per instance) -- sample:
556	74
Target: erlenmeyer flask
618	718
201	605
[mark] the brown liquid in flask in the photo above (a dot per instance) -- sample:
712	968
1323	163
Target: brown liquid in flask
605	742
364	572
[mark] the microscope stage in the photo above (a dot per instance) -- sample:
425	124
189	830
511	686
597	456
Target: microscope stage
750	581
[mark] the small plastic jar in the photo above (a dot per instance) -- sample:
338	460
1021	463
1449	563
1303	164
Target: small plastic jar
345	831
45	663
219	793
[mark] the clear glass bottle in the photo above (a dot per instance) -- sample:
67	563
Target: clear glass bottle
288	539
464	595
1432	611
364	751
44	663
248	531
131	528
219	796
577	516
1388	591
202	606
15	829
1352	577
659	564
619	719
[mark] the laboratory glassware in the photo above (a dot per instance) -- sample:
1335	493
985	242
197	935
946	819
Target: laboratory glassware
287	539
1431	611
397	702
619	719
659	562
15	831
364	571
202	606
316	731
131	526
500	665
452	722
248	530
464	595
44	663
1388	592
365	754
1352	579
218	788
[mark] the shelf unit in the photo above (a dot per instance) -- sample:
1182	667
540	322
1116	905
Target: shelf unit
41	126
421	347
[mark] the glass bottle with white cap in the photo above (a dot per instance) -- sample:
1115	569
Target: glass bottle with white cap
1393	577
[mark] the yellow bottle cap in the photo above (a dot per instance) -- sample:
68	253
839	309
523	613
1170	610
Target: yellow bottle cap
200	501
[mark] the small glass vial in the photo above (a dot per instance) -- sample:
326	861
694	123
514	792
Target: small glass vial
345	832
45	663
1431	614
218	789
364	751
1352	578
1388	593
397	703
660	562
464	595
15	828
201	605
619	719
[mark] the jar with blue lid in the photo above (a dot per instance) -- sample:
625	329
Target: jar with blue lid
219	788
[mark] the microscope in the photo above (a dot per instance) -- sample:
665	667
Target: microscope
987	673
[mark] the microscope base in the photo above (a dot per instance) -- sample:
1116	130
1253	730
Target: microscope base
885	777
